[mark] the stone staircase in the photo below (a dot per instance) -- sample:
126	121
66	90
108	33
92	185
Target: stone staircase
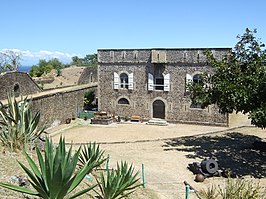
157	121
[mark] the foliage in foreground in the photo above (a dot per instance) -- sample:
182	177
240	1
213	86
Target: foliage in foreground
234	189
56	176
18	127
91	154
239	81
118	183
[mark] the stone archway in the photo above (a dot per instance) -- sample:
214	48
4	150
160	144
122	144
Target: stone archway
158	108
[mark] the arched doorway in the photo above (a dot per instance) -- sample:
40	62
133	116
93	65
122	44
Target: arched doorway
158	107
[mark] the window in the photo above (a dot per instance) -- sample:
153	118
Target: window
160	82
158	74
197	78
16	90
123	101
124	80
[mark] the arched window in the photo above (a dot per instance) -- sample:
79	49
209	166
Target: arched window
123	101
197	78
123	80
16	90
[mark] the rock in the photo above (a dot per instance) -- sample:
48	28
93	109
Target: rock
199	178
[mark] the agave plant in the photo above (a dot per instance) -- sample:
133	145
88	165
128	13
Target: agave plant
56	176
118	183
240	189
210	193
17	124
93	154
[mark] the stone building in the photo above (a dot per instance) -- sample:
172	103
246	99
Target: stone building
152	83
17	83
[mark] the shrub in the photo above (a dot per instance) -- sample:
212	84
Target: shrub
234	189
56	176
18	126
118	183
210	193
92	154
240	189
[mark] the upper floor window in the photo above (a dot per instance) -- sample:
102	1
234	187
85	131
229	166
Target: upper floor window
159	79
123	81
159	82
197	78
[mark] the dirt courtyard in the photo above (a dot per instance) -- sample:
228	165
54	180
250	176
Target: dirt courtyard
166	151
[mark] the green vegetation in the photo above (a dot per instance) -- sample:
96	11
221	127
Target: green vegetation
89	98
56	175
118	183
234	189
45	67
18	127
92	154
88	60
239	81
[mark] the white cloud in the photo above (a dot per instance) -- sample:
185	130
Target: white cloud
31	58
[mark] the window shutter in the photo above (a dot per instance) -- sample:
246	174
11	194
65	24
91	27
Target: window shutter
166	86
189	80
150	82
207	85
116	80
130	81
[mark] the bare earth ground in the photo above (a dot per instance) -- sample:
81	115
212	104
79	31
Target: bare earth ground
167	150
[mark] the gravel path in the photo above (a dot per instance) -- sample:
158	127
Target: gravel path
165	169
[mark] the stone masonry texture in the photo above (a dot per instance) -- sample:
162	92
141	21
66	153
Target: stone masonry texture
21	80
175	62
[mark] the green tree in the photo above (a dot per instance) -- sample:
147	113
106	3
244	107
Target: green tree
46	67
76	61
88	60
239	80
35	71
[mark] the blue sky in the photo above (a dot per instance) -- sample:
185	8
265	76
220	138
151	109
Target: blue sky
65	28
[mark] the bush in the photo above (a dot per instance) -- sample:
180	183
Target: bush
118	183
234	189
18	126
56	175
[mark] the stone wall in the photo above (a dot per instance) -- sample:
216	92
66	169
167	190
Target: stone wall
18	82
89	75
58	105
176	62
